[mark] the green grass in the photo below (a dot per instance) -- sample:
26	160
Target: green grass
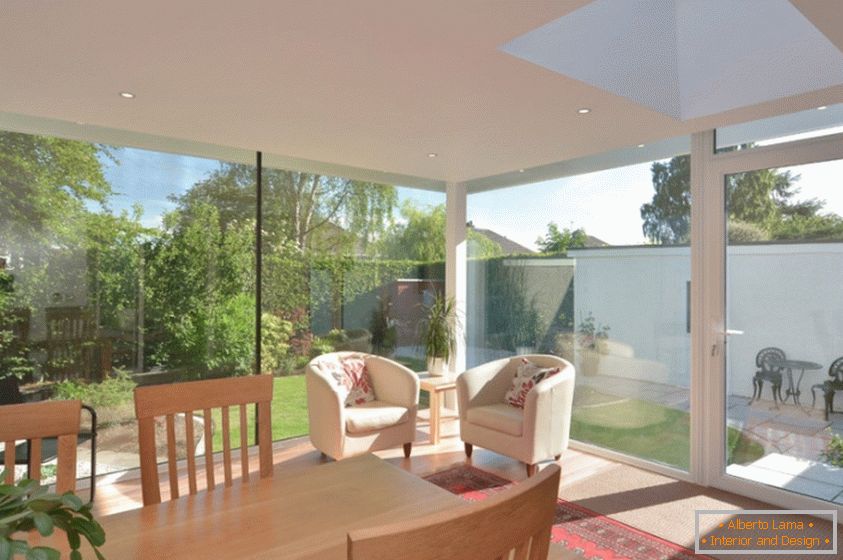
289	413
644	429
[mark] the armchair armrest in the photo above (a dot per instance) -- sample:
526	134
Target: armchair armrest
482	385
325	411
547	411
393	382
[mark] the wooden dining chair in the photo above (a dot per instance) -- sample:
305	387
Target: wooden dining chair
34	422
167	401
515	524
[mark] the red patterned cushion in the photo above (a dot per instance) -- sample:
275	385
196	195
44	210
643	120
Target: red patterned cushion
352	377
526	377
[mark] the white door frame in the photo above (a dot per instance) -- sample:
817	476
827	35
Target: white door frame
708	305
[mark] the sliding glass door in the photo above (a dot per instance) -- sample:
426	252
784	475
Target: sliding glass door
770	262
784	306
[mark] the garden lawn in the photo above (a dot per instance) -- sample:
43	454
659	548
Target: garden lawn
645	429
289	413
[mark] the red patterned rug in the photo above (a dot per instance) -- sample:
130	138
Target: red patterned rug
589	534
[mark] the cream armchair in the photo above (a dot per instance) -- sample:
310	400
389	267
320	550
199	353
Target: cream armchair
537	432
388	421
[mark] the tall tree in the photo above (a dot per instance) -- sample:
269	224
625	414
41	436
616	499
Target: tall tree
199	282
315	212
667	219
420	236
760	204
559	241
44	180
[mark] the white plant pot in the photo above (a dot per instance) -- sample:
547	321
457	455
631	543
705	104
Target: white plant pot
436	366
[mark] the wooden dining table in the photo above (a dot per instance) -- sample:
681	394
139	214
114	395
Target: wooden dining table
297	516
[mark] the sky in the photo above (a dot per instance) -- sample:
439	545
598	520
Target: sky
150	177
606	204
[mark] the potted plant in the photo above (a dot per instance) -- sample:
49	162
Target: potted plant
590	340
28	505
439	333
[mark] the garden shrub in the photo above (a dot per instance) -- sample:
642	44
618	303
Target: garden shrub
320	346
833	453
112	391
275	338
231	329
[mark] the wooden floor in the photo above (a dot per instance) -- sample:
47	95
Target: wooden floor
122	491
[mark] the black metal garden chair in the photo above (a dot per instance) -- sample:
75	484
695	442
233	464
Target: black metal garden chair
766	361
829	386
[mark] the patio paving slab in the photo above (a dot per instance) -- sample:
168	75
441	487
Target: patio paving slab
801	484
812	470
746	417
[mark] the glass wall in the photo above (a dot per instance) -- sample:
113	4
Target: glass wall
346	266
594	268
784	298
121	267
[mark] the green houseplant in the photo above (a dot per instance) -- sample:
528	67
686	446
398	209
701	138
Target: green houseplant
439	333
591	342
28	505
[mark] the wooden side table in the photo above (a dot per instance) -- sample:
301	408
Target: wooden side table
436	386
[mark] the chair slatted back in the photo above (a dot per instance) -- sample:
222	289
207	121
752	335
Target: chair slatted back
515	523
35	421
184	399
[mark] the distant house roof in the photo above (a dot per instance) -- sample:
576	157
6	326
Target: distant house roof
591	242
508	246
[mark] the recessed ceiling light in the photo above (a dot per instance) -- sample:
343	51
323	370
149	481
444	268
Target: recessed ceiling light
640	145
823	108
583	110
127	95
432	155
520	171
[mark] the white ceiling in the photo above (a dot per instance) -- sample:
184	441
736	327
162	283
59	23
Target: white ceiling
371	84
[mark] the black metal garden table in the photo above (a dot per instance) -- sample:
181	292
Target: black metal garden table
793	388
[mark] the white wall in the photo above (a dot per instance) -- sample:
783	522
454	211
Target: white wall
641	294
784	295
789	296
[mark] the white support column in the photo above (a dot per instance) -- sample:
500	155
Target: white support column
705	219
456	265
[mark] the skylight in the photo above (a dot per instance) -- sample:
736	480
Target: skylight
686	58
